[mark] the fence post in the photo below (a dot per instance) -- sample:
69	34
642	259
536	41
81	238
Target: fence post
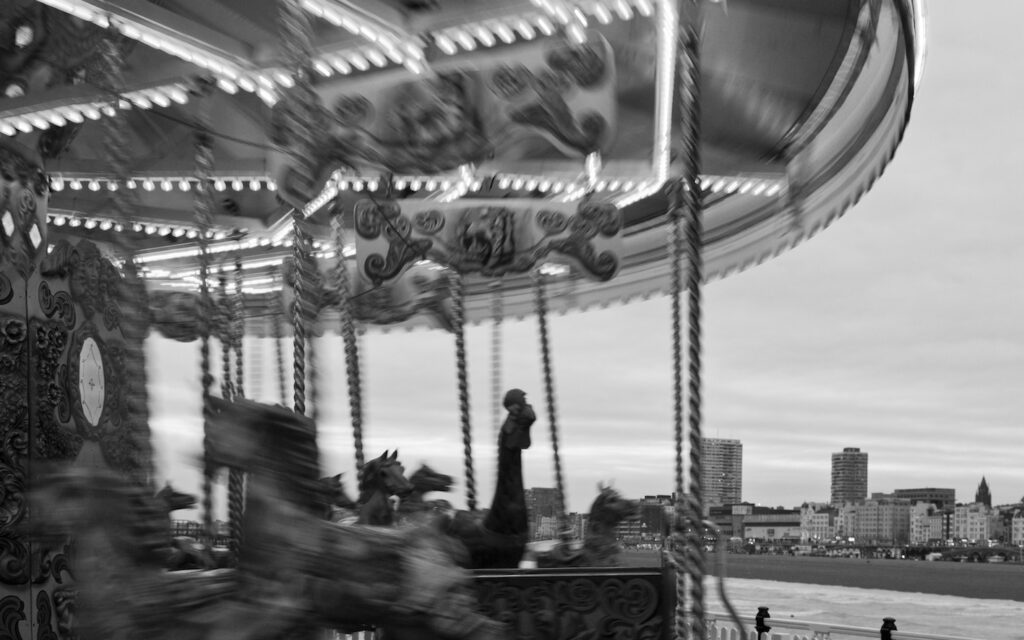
759	625
888	626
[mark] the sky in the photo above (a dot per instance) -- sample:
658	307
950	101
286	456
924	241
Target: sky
898	330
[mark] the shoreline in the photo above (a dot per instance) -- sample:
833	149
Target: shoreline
991	581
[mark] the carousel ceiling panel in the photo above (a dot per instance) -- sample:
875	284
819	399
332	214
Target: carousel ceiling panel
802	103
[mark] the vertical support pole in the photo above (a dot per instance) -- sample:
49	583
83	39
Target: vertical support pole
549	391
348	334
458	304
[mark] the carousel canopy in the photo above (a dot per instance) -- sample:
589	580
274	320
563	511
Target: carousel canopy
464	108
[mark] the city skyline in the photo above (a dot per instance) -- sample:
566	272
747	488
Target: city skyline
898	329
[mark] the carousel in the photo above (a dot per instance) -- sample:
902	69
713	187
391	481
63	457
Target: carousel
284	168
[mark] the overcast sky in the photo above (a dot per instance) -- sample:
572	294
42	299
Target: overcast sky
899	330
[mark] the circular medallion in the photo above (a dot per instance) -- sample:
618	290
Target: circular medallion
91	381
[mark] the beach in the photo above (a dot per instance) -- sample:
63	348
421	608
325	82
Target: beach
956	599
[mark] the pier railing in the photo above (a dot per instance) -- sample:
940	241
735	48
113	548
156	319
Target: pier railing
721	626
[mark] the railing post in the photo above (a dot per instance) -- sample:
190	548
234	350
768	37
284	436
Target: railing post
759	626
888	626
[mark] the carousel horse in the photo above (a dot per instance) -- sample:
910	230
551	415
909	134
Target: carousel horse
425	480
337	504
497	539
600	546
299	570
381	479
185	552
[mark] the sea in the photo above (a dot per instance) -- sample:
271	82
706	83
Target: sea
977	618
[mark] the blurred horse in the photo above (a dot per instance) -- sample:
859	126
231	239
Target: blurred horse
380	479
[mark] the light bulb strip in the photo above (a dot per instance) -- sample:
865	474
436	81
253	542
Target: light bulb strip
77	181
386	42
60	113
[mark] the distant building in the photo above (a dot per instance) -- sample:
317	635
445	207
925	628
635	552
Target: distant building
721	471
542	509
849	476
1017	527
983	495
941	498
817	522
772	525
975	522
884	519
927	523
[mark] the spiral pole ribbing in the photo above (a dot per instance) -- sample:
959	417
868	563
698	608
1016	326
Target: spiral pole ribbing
540	300
459	311
693	560
497	316
135	308
239	326
227	387
236	478
348	335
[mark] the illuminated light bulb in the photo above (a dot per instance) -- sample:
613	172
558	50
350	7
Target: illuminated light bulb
178	232
517	184
131	184
90	224
718	186
254	185
576	33
108	110
136	227
224	85
445	44
59	221
219	184
504	33
477	185
237	185
166	185
372	185
644	7
759	189
467	41
38	122
271	185
73	115
705	183
614	185
415	185
165	231
525	29
119	227
141	102
623	10
191	234
57	184
150	229
446	184
23	125
56	119
484	36
376	58
75	185
268	97
358	61
123	105
746	186
91	112
160	99
7	129
341	65
431	185
400	184
733	186
106	225
112	185
323	68
531	185
184	185
246	84
558	187
601	13
284	79
545	25
600	186
357	185
772	190
130	32
74	222
504	183
147	184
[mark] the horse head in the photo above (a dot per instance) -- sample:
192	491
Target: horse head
425	480
385	475
175	500
610	508
334	494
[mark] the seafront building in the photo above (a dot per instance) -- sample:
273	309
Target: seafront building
817	522
721	471
928	522
1017	527
849	476
975	522
941	498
